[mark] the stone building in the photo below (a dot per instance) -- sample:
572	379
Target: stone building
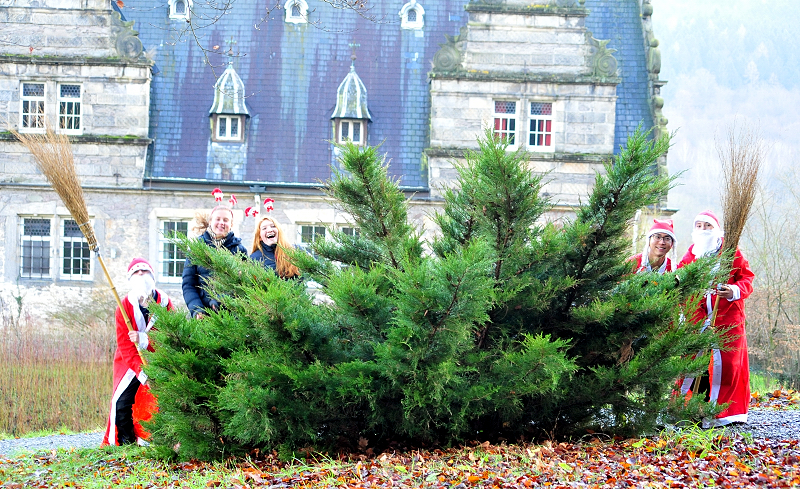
251	102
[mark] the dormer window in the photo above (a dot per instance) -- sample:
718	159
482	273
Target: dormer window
228	112
296	11
228	128
180	9
352	131
351	115
411	16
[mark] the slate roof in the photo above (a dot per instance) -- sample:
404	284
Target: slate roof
620	21
291	74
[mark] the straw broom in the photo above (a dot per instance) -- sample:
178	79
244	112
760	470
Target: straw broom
52	154
741	155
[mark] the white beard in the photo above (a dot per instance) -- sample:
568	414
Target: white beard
706	241
141	286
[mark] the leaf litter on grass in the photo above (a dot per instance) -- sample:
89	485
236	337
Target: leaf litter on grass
776	399
672	460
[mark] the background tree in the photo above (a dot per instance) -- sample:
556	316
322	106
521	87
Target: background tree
510	327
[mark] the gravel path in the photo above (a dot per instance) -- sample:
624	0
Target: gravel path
81	440
763	423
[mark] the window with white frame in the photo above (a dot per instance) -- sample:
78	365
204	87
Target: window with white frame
505	121
180	9
229	128
350	231
77	257
296	11
352	131
540	126
171	258
310	233
32	107
411	16
35	242
69	108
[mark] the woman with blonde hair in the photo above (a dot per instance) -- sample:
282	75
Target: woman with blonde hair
269	244
216	232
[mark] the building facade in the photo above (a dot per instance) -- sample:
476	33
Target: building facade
165	103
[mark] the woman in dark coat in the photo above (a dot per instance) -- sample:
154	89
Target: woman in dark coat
217	233
269	244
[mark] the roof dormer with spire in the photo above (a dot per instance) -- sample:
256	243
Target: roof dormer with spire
351	114
227	151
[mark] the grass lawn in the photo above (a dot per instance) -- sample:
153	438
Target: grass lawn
691	458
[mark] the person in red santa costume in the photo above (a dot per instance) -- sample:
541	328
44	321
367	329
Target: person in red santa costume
728	379
660	240
131	403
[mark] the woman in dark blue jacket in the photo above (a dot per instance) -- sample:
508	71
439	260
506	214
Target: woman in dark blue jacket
269	244
217	234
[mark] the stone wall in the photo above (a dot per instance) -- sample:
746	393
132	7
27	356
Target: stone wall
528	54
127	225
535	43
65	28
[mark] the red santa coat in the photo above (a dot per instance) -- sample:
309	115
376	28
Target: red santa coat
640	266
128	365
729	371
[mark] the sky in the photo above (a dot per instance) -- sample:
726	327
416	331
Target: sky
726	62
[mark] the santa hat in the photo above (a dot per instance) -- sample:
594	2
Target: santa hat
139	264
217	193
251	212
664	227
233	200
268	204
709	217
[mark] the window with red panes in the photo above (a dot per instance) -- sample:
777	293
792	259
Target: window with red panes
505	120
541	125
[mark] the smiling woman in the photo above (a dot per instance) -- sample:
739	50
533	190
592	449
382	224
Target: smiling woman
269	245
216	232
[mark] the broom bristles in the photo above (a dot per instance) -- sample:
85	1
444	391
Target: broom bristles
741	155
52	155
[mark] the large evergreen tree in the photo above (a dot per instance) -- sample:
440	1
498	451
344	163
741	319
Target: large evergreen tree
504	326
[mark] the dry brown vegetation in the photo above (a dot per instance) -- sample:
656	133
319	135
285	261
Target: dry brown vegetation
55	378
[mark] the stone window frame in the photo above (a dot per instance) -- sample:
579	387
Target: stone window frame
415	10
76	237
155	232
57	241
506	123
28	240
185	15
76	115
344	131
296	11
217	123
351	231
163	263
314	228
546	127
39	116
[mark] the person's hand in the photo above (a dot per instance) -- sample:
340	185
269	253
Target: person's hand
724	292
134	336
199	315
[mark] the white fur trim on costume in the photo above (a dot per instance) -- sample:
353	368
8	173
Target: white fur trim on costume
112	424
144	341
716	423
716	375
737	293
687	385
708	219
142	377
142	265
